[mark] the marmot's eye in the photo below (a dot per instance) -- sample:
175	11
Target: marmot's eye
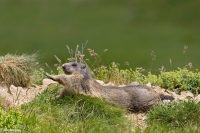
83	67
74	64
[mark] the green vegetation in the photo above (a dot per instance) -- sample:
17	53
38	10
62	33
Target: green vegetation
176	80
129	28
78	113
181	117
37	76
11	118
73	114
180	80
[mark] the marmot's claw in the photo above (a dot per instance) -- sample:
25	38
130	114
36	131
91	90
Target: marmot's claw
47	74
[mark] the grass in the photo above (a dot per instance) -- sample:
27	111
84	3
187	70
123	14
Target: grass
17	69
78	113
73	114
124	28
181	117
177	80
83	114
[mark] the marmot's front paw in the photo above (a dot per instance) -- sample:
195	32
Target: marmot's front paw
47	74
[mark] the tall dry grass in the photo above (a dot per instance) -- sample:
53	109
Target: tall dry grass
17	69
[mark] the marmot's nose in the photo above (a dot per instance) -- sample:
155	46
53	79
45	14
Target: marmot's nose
63	66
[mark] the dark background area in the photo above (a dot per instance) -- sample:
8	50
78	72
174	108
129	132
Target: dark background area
129	29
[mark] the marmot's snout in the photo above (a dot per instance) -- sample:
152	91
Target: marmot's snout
63	66
66	69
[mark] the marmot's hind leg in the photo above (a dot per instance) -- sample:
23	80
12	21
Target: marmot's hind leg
62	93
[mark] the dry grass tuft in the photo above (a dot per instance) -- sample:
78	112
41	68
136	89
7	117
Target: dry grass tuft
17	69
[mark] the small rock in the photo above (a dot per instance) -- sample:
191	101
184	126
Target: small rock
134	83
159	89
47	82
121	85
176	96
197	98
109	84
15	90
187	94
100	82
148	84
166	101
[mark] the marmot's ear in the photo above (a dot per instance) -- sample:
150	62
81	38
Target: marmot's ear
83	66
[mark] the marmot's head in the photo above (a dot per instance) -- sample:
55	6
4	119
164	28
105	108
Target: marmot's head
74	67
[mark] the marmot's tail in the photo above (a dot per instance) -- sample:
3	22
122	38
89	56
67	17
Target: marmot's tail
166	97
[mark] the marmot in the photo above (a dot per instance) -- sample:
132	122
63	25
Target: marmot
78	79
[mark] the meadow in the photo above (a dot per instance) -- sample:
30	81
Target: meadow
130	30
76	113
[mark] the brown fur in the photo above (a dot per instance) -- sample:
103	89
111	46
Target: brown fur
78	79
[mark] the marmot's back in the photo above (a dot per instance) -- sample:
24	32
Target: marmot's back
134	97
143	97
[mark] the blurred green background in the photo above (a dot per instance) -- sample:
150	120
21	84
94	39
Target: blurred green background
129	29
